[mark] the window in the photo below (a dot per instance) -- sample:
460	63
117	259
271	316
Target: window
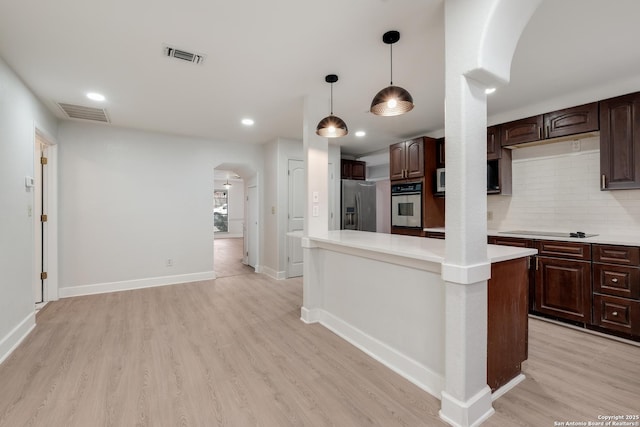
220	215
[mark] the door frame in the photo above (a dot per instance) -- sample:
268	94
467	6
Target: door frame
50	248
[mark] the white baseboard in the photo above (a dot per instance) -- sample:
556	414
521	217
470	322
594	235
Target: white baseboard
508	386
13	339
310	316
127	285
418	374
278	275
222	235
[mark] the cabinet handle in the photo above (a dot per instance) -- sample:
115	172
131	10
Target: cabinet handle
604	181
615	313
614	280
539	133
548	131
537	259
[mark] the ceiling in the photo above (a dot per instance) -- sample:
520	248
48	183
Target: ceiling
263	57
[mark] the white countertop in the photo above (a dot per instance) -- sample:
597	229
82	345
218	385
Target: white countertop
417	248
629	239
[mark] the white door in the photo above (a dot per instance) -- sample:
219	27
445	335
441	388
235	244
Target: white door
295	221
252	208
39	211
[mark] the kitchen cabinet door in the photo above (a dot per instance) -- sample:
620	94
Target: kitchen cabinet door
353	169
414	158
563	288
396	161
521	131
494	150
440	152
406	160
571	121
620	142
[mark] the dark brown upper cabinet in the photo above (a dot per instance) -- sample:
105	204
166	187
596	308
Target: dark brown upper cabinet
620	142
521	131
569	121
494	150
440	152
353	169
406	159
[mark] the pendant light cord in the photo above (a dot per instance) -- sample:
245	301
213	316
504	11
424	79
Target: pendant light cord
391	52
332	99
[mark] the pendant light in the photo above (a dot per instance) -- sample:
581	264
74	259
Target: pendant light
332	126
227	184
392	100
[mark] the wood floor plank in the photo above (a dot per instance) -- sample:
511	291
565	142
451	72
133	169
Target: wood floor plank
234	352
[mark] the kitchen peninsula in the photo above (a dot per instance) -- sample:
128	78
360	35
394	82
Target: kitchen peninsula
384	293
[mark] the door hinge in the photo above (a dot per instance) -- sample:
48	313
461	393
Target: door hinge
43	218
43	275
43	160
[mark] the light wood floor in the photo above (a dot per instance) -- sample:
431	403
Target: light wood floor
227	257
233	352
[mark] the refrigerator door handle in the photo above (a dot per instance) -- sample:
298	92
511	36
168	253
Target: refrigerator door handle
358	212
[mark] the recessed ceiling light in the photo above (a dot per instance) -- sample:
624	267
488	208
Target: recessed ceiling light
94	96
247	122
489	90
361	133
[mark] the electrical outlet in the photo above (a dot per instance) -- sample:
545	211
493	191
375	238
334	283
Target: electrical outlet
169	262
575	145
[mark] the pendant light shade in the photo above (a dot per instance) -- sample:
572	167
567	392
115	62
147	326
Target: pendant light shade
392	100
331	126
227	184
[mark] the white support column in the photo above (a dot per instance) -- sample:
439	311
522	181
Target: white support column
466	399
480	38
316	218
316	154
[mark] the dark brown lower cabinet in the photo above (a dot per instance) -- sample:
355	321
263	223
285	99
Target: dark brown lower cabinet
618	314
507	321
563	288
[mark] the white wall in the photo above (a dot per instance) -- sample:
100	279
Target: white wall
130	200
235	206
20	113
558	189
276	193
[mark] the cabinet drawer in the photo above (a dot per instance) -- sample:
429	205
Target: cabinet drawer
571	250
616	280
511	241
618	314
625	255
434	235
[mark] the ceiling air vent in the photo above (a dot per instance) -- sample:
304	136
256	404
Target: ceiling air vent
183	55
84	113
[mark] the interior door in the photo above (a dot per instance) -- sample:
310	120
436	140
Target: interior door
39	212
252	209
295	216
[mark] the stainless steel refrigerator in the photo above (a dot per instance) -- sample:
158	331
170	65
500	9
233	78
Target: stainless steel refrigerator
358	205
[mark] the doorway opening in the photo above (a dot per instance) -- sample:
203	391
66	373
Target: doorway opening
231	253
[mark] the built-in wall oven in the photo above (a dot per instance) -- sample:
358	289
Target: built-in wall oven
406	205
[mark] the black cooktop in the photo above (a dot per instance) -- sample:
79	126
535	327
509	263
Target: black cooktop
578	234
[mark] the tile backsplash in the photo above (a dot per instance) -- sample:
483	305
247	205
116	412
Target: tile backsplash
556	187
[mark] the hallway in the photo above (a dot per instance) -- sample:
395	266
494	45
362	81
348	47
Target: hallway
227	257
